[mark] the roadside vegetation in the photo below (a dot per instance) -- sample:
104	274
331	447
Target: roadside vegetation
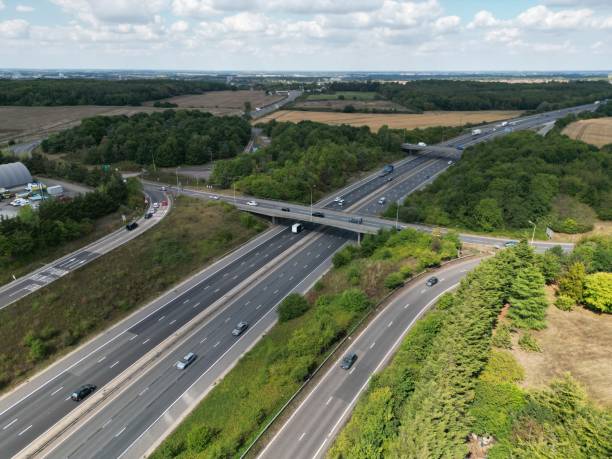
98	92
239	406
454	378
314	157
508	182
90	299
168	138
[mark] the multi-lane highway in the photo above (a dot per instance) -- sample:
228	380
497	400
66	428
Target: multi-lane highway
38	405
23	286
311	428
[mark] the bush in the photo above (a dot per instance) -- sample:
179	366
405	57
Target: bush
394	280
598	292
572	282
528	301
501	338
528	343
565	302
294	305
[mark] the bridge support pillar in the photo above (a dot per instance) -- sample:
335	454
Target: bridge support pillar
358	238
273	220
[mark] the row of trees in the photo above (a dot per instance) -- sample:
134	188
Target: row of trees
98	92
424	95
168	138
504	183
314	157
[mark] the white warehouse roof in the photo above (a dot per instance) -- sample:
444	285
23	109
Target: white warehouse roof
14	174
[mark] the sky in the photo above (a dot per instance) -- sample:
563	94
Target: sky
308	35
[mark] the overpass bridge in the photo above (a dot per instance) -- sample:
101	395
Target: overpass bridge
440	151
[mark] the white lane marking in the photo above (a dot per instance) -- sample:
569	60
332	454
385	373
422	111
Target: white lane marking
407	305
265	287
9	424
242	263
107	423
203	340
132	338
442	279
329	401
67	398
172	322
146	341
372	345
352	369
24	430
235	277
301	436
258	306
196	305
228	319
247	303
217	343
390	323
281	274
186	301
225	275
320	448
423	291
305	266
120	432
207	287
216	290
329	246
102	359
308	254
251	265
143	391
275	291
291	278
161	318
114	364
56	391
295	263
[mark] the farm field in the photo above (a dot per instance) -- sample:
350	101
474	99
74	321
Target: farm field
596	131
223	102
396	121
23	122
350	95
337	104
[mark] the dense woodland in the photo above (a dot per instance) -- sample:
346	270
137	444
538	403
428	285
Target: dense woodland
315	157
504	183
168	138
474	95
98	92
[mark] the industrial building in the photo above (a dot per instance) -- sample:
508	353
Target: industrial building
13	175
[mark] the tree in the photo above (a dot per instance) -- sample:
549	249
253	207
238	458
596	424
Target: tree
527	299
572	283
598	292
291	307
488	215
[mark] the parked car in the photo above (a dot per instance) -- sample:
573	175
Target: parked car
240	328
82	392
252	203
348	360
318	214
185	361
432	281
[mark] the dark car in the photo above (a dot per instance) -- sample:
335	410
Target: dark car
389	179
148	215
432	281
348	360
357	220
82	392
240	328
318	214
131	226
285	209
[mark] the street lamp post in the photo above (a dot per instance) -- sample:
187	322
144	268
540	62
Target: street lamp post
397	206
533	233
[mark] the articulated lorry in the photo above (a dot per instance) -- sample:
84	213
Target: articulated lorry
388	169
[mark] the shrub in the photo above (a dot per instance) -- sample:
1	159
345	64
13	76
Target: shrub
598	292
528	299
394	280
501	338
528	343
294	305
572	283
564	302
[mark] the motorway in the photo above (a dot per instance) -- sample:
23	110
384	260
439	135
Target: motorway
310	430
114	428
23	286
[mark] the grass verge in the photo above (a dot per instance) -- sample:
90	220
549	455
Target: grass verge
90	299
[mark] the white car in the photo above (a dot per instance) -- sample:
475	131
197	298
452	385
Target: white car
20	202
252	203
156	205
214	196
422	144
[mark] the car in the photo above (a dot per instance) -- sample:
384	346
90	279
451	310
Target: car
185	361
357	220
348	360
389	179
163	188
422	144
338	198
428	176
285	209
449	163
214	196
431	281
510	244
82	392
131	226
156	205
252	203
240	328
382	200
148	215
318	214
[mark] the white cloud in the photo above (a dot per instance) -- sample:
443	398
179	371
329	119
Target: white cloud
503	35
24	9
14	29
179	26
541	17
2	6
483	18
446	24
113	11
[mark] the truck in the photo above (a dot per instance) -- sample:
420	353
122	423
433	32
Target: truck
36	186
388	169
476	132
504	123
56	190
296	228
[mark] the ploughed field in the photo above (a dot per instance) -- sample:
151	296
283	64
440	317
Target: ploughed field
596	131
396	121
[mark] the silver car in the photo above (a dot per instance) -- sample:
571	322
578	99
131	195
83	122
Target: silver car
240	328
186	361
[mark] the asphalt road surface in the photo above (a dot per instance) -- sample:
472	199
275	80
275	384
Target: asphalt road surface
115	428
23	286
310	430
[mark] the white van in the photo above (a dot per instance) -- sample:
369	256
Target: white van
296	228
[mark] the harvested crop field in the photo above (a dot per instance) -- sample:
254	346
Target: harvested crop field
399	121
358	104
224	102
23	122
597	131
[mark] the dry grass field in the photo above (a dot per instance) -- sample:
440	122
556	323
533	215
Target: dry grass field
597	131
223	102
399	121
575	341
23	122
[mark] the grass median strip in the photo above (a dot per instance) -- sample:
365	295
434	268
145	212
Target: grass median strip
234	412
39	328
